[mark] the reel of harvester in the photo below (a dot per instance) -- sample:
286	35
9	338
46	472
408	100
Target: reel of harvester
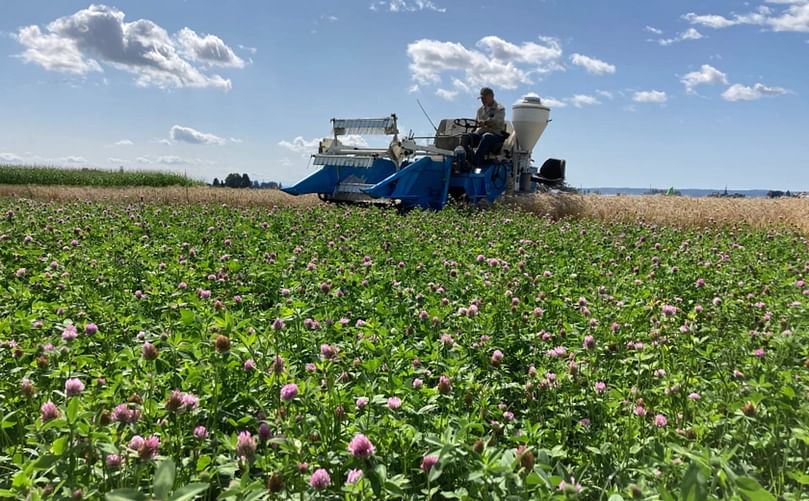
410	175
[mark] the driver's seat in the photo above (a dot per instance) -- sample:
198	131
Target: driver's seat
448	135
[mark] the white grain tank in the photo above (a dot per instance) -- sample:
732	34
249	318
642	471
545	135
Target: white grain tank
529	118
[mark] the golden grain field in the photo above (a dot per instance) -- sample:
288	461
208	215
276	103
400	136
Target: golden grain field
653	209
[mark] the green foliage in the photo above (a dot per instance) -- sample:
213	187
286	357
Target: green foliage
202	314
91	177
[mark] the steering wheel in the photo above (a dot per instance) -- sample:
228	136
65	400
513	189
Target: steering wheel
467	123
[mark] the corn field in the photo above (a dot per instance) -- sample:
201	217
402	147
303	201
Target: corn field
17	175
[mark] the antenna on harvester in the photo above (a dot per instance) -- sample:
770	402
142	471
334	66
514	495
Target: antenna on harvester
426	115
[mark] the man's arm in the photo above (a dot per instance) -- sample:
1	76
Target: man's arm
494	122
498	121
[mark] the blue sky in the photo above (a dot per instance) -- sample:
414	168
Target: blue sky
643	93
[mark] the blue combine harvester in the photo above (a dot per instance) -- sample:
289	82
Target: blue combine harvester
411	175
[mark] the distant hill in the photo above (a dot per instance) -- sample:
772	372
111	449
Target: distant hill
689	192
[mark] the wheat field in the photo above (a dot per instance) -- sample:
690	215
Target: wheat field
652	209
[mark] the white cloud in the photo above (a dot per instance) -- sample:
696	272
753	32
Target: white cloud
739	92
793	17
72	159
553	103
689	34
192	136
301	145
458	87
652	29
581	100
406	6
354	140
144	160
10	158
124	142
494	61
172	160
251	50
592	65
208	49
709	20
306	147
53	52
650	96
449	95
708	75
461	86
605	93
115	160
164	141
81	42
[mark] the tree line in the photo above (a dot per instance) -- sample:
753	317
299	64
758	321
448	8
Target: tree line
235	180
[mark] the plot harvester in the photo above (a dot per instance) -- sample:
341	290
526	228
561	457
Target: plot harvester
412	175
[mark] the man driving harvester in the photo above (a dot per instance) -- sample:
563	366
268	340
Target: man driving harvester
490	134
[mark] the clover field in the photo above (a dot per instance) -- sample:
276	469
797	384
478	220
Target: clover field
208	352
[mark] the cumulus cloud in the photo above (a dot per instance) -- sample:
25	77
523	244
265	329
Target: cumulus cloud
652	29
10	158
689	34
169	160
300	145
709	20
308	147
581	100
592	65
72	159
792	16
739	92
707	75
208	49
193	136
124	142
650	96
172	160
28	158
98	35
354	140
449	95
53	52
458	87
553	103
493	61
406	6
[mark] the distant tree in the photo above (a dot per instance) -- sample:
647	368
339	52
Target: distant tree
216	181
233	180
246	183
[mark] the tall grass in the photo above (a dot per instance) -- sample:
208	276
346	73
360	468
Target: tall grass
670	211
12	174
